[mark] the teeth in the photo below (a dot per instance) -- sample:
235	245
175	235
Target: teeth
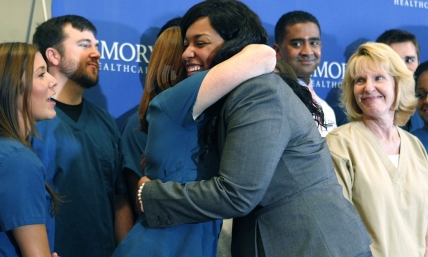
194	68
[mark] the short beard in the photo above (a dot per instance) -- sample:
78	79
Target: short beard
78	75
84	80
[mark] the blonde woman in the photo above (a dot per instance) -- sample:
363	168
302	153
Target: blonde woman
382	168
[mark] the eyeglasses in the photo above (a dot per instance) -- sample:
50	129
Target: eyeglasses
421	95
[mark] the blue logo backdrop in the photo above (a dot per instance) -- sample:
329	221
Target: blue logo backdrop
127	30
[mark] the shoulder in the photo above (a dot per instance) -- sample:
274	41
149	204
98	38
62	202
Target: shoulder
188	83
416	138
343	136
411	135
16	157
348	128
22	192
267	85
271	80
262	94
132	123
182	91
13	149
420	133
131	133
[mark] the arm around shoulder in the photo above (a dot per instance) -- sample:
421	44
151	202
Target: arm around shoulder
254	60
240	185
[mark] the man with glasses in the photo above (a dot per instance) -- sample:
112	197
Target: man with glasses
421	79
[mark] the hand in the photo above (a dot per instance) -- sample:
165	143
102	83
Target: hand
143	180
55	255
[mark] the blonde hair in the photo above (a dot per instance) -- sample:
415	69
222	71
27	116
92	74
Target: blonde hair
378	56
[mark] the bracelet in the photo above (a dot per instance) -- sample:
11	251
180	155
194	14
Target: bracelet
140	190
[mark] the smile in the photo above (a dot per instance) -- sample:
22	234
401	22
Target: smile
370	98
194	68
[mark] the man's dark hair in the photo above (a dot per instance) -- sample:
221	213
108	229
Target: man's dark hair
51	32
290	19
399	36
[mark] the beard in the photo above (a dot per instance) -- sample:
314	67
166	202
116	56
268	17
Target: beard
79	75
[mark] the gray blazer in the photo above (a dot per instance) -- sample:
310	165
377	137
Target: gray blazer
276	180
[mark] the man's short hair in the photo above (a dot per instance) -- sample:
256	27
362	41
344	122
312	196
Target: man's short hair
399	36
290	19
51	32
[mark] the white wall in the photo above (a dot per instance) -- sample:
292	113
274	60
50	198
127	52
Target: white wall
19	18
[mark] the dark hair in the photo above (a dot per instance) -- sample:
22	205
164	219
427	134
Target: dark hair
51	32
399	36
421	69
290	19
175	22
237	24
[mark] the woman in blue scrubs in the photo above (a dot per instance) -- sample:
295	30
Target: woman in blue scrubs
26	90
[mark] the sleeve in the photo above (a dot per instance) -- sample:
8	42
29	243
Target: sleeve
342	165
177	102
22	191
133	144
254	110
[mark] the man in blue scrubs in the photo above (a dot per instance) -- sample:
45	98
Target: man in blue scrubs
407	47
80	147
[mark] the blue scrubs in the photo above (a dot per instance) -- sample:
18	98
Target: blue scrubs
132	144
422	135
82	163
416	122
24	199
172	154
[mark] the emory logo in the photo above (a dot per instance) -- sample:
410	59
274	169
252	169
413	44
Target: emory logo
133	58
412	3
124	57
329	75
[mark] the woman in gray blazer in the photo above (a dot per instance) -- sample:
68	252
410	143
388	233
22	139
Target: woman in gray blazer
276	177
